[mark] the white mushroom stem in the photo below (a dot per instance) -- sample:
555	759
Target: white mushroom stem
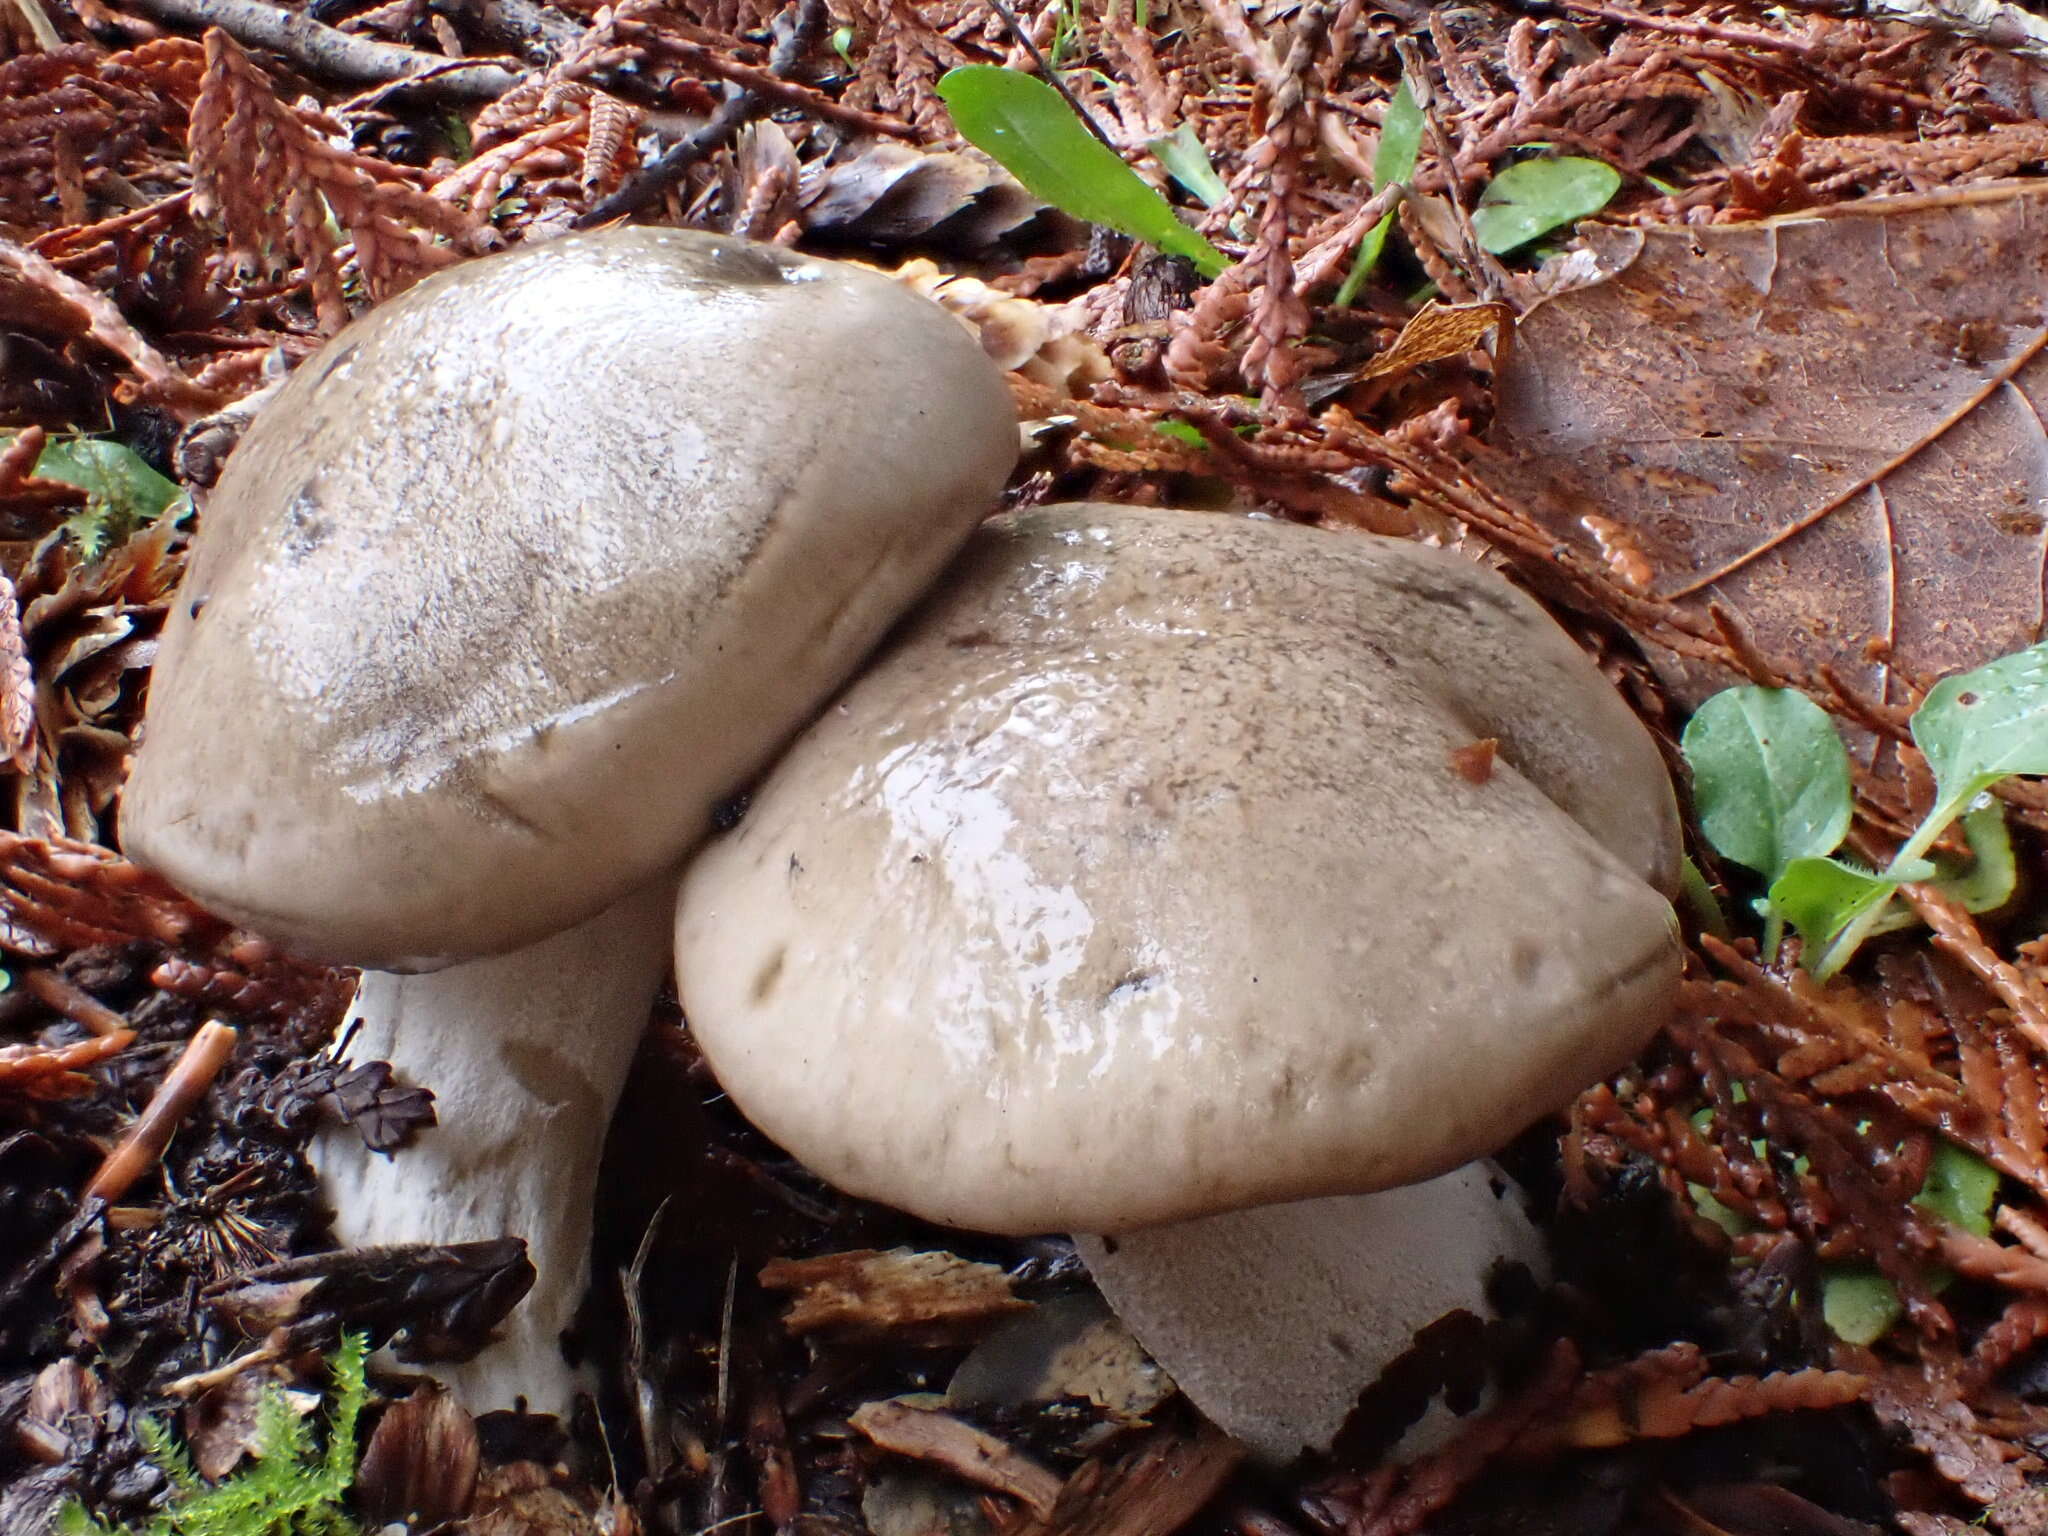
1273	1320
526	1054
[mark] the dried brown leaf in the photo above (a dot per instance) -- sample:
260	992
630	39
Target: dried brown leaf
422	1461
1438	331
1825	423
888	194
220	1424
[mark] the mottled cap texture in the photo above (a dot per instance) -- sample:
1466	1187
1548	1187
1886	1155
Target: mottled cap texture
1148	874
527	570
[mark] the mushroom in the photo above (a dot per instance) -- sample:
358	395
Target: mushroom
517	580
1159	870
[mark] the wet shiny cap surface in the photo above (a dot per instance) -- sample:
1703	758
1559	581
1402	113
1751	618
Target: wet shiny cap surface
530	567
1135	881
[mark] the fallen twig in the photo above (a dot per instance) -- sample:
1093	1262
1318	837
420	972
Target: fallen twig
336	55
204	1055
740	106
73	1001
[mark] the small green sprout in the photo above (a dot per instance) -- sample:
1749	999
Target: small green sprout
1858	1303
1187	161
1771	783
1393	160
122	493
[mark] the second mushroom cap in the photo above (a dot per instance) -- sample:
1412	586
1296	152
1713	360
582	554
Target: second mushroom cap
1140	880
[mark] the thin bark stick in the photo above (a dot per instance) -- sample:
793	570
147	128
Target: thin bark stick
335	55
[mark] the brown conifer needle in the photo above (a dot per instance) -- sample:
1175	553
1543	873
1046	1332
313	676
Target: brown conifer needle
204	1056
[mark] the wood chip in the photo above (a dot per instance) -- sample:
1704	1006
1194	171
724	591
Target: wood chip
1152	1491
868	1290
929	1434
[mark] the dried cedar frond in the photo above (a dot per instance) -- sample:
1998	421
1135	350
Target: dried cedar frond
79	111
906	53
58	894
559	137
1398	1501
17	683
1613	1407
1924	1402
52	1072
37	296
272	174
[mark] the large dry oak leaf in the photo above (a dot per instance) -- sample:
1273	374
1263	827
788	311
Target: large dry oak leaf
1831	424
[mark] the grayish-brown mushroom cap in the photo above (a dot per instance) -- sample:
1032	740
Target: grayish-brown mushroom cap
529	568
1136	881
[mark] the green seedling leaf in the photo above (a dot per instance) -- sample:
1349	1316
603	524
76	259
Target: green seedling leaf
1770	778
1392	161
461	144
1858	1303
110	471
1095	75
1959	1188
1182	432
1187	162
1823	898
1980	727
122	493
1987	881
1533	197
1974	729
1022	123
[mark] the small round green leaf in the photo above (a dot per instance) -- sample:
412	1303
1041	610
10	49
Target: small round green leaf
1770	778
1533	197
1983	726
